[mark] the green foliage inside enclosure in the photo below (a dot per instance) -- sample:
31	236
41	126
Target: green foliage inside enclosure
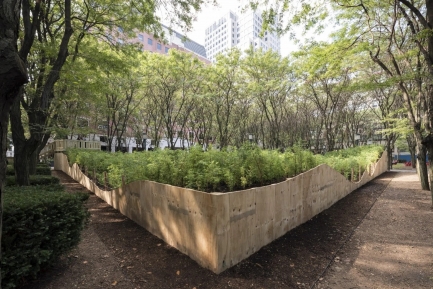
39	224
214	170
357	159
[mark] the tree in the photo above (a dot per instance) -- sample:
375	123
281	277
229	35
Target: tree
61	34
327	78
13	75
14	60
393	30
270	82
174	82
119	78
224	80
400	46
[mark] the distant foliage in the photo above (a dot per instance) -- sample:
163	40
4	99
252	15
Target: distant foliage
41	169
10	170
35	180
214	170
39	224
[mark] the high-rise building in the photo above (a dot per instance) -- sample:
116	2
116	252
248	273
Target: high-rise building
240	30
221	35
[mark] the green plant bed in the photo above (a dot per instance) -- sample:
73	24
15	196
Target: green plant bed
43	170
39	224
214	170
10	170
34	180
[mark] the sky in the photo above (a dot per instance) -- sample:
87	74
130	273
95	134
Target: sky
209	14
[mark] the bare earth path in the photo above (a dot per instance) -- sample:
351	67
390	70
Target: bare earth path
393	246
380	236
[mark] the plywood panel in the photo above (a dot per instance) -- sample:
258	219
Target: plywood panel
282	209
221	205
133	205
242	210
307	207
265	215
146	204
160	210
177	217
316	196
296	185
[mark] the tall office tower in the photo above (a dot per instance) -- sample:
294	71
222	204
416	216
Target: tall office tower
250	26
240	30
221	35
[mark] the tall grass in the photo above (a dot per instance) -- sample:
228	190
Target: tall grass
213	170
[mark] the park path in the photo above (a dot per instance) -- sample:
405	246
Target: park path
393	245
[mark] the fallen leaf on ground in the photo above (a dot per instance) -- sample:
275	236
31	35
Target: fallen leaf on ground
178	273
85	262
114	283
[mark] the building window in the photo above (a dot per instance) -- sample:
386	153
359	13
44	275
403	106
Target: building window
166	50
149	41
120	29
140	37
158	46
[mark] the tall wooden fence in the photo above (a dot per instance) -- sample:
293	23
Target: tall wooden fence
218	230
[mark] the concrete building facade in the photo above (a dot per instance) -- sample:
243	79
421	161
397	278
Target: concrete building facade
172	40
241	30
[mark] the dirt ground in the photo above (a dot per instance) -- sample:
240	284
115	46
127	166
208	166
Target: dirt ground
380	236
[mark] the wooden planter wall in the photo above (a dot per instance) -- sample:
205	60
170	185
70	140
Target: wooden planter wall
218	230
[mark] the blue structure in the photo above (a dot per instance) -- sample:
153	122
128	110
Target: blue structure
404	156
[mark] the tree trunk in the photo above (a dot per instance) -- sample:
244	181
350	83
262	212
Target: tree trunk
13	75
389	153
422	166
34	158
428	144
23	148
412	149
389	147
430	153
